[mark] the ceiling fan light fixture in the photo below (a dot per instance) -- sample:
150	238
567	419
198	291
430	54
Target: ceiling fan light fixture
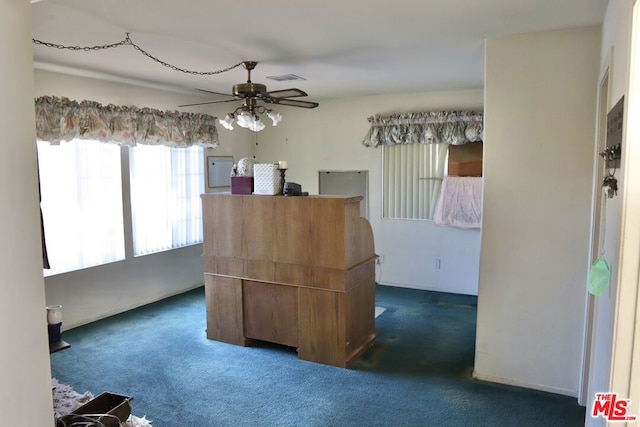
245	120
274	116
247	117
257	125
227	122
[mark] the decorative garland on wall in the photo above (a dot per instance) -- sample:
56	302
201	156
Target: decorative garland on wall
450	127
60	119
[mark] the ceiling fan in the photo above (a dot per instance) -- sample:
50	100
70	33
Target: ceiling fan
251	92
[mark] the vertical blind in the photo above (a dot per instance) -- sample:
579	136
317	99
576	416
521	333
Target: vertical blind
413	175
81	190
166	184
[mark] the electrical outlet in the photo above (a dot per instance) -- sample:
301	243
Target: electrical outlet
380	259
436	263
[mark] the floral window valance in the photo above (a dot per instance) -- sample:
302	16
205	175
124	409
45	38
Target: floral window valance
451	127
60	119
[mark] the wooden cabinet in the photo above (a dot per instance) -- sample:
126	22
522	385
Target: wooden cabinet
297	271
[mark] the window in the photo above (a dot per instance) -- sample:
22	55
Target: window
415	156
166	184
412	176
81	200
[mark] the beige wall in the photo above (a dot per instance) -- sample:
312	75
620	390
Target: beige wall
330	138
540	98
24	356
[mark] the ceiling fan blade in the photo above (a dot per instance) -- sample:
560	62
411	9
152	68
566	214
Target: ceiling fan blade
208	102
286	93
294	103
215	93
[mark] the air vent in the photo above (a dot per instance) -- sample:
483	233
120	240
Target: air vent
286	78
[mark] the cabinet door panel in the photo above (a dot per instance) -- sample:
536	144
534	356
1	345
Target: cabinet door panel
271	312
224	309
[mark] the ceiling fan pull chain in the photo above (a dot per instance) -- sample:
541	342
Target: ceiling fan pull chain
128	41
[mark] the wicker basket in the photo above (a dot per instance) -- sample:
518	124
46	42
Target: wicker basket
266	179
106	409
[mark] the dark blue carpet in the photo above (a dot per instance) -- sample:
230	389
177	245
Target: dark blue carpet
418	373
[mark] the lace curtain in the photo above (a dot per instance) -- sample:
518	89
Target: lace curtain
60	119
451	127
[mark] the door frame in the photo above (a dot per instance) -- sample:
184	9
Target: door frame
598	216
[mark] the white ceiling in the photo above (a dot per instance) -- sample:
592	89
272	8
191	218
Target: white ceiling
341	47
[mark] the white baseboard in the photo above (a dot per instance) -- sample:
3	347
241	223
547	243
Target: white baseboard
506	381
130	307
425	288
